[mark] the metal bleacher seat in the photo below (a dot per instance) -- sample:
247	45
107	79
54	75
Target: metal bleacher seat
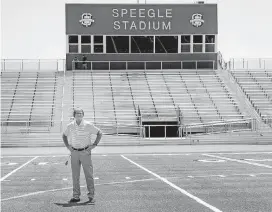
114	97
257	86
29	98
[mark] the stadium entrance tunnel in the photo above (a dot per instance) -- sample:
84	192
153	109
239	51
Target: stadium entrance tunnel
158	129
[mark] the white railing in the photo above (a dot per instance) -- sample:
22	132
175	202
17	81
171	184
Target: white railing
26	130
32	65
222	126
43	126
25	127
90	65
60	64
250	63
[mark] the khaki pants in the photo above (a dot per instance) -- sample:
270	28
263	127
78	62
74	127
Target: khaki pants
84	158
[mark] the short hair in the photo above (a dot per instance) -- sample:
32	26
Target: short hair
77	109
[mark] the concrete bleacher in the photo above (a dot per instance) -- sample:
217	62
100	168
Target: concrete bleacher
106	101
113	97
257	86
202	97
30	100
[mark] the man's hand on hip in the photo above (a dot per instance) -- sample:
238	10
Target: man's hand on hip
90	148
70	148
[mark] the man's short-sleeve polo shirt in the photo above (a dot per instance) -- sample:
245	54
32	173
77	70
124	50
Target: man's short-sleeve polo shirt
80	135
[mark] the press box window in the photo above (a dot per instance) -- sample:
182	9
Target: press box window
85	44
142	44
209	43
98	44
117	44
98	48
98	39
197	43
85	39
73	48
185	43
73	43
166	44
73	39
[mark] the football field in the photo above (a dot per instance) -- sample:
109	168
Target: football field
164	181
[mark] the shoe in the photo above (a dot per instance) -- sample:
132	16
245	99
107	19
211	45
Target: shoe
74	200
91	200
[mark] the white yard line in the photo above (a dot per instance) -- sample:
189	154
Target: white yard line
15	170
241	153
239	161
139	154
174	186
62	189
158	154
99	155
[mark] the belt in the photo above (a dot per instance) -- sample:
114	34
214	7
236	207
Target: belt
80	149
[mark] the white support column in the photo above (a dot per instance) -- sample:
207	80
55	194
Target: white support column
104	44
67	44
215	43
203	44
154	47
192	44
129	42
79	43
92	44
179	44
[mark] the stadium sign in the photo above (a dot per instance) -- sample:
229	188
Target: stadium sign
142	19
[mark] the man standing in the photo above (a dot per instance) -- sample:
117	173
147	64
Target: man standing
84	63
75	63
79	131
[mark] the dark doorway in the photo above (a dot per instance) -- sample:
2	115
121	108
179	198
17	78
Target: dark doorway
165	129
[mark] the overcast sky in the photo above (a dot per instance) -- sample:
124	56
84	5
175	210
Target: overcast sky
36	28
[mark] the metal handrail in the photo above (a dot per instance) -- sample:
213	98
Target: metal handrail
250	63
187	129
228	126
33	65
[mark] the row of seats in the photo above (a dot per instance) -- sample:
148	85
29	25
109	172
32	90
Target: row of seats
30	97
257	86
114	98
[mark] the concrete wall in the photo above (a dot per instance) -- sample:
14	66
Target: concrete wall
142	57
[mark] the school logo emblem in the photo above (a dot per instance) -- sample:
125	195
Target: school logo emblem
86	19
197	20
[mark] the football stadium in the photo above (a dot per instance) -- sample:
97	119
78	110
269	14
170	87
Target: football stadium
183	129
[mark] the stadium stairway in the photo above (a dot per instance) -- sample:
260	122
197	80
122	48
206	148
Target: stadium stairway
244	102
257	86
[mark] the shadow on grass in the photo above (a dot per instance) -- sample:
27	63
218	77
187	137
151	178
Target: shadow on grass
74	204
